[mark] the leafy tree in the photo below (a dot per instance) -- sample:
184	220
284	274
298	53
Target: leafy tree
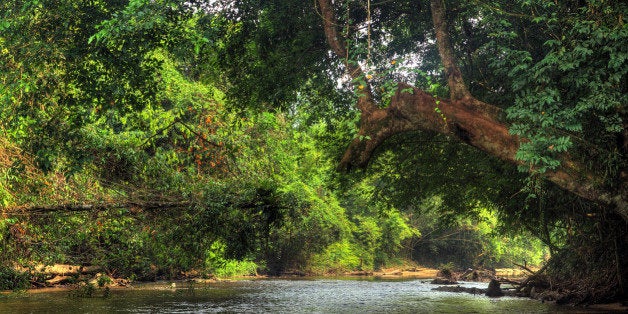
514	85
54	81
234	111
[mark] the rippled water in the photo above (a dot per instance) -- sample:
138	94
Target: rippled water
277	296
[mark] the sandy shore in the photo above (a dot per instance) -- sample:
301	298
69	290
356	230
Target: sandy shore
415	272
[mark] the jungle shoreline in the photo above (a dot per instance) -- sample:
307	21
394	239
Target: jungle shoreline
101	290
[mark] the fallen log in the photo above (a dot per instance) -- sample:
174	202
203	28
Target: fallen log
59	269
56	280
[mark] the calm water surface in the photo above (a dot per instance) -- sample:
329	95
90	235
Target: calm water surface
278	296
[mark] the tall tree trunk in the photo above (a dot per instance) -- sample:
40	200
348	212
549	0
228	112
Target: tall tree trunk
462	116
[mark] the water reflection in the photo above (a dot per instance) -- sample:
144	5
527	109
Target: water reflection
277	296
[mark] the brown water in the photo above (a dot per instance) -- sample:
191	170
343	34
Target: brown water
277	296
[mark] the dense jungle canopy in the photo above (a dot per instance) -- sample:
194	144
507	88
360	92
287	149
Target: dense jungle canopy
157	137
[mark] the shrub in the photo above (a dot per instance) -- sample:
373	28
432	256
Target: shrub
11	279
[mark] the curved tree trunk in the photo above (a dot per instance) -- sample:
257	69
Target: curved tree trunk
462	116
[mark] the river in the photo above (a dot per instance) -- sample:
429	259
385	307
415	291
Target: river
323	295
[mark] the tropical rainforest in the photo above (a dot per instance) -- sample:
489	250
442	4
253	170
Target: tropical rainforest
156	138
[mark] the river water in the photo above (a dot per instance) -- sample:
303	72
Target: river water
325	295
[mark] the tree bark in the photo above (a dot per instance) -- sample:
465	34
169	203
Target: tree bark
462	116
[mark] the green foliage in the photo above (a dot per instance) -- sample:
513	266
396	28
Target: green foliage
90	290
54	82
573	86
235	114
265	51
218	265
338	258
103	281
11	279
448	202
472	242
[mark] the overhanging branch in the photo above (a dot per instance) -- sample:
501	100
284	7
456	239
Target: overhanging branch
462	116
337	43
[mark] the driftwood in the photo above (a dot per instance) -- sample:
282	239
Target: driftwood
531	277
524	268
58	280
60	269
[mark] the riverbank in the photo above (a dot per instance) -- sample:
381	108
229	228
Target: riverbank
410	273
89	281
45	277
62	275
359	294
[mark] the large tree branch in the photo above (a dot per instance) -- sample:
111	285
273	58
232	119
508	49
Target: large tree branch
463	117
338	45
464	120
412	109
457	88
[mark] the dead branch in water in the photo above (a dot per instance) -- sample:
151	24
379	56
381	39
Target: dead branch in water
534	275
506	280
